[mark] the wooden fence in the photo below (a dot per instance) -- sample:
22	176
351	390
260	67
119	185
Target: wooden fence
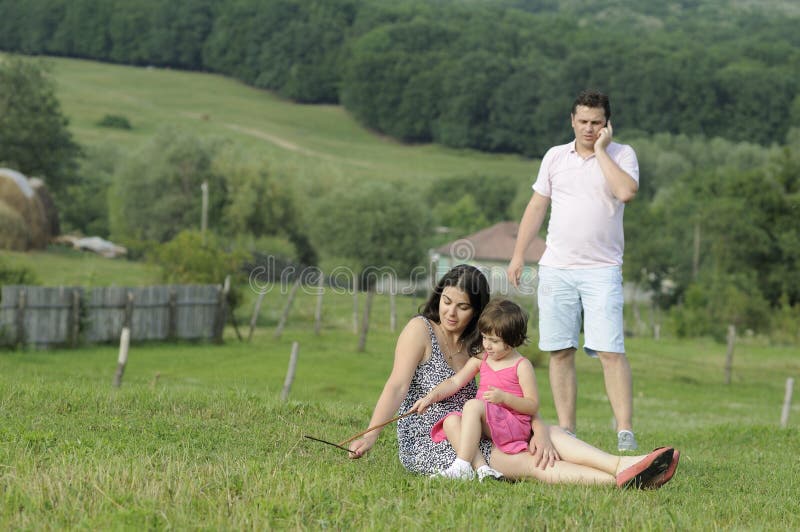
41	316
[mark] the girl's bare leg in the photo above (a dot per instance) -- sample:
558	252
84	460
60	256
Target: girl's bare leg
580	463
452	428
471	429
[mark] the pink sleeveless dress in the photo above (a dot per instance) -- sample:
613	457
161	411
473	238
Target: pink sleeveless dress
510	429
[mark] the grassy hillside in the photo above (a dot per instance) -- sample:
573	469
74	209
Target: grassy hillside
65	267
313	143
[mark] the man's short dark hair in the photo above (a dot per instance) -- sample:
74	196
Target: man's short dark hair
592	98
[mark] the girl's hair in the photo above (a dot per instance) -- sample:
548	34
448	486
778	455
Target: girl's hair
505	319
472	282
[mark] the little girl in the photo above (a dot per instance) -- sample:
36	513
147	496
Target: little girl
507	397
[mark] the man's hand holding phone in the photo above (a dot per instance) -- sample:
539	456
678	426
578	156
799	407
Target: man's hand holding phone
604	137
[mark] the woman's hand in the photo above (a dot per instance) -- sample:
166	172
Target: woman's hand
359	447
422	404
541	447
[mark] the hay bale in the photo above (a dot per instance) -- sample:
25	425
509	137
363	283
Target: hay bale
49	205
18	195
19	180
13	229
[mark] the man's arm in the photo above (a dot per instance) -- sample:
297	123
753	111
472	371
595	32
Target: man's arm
623	186
528	230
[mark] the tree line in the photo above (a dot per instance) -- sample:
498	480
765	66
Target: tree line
712	232
489	75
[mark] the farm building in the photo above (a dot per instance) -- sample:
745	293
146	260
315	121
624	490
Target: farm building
28	217
490	250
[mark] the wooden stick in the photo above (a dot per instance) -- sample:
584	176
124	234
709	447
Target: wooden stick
287	383
329	443
729	353
318	310
787	403
256	311
122	360
376	427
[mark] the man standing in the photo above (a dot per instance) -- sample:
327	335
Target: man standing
588	182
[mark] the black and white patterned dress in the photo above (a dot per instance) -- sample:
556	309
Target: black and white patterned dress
418	452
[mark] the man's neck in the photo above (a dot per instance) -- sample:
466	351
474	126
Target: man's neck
583	153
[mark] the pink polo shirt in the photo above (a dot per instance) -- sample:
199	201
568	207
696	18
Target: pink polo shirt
585	229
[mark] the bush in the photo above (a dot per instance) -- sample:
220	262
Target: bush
785	324
16	275
115	122
709	307
186	259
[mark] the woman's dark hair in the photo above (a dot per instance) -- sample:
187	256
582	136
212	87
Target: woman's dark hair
474	284
505	319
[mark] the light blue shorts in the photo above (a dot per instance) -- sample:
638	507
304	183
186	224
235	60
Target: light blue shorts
566	296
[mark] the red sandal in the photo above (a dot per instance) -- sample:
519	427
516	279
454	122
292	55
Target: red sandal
645	471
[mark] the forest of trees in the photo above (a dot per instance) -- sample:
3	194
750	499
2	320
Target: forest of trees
707	92
490	75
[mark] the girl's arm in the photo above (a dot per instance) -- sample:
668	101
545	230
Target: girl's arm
529	402
409	352
448	387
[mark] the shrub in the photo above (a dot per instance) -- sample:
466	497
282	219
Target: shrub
115	122
186	259
16	275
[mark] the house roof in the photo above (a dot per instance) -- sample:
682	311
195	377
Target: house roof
493	243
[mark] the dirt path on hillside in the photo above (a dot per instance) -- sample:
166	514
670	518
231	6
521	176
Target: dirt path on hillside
285	144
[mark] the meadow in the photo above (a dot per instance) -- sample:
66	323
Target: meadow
310	144
197	436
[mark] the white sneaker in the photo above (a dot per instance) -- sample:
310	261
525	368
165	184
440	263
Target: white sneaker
626	441
487	472
459	469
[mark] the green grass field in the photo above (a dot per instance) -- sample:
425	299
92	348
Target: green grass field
309	143
67	267
198	438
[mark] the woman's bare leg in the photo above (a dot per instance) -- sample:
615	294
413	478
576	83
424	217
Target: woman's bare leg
580	463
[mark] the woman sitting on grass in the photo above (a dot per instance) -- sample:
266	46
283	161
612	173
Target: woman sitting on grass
506	400
432	348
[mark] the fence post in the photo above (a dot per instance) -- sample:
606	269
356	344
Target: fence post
355	304
287	383
204	210
287	308
432	273
256	312
362	341
75	318
128	322
21	303
172	314
787	402
122	360
392	303
729	353
318	310
222	308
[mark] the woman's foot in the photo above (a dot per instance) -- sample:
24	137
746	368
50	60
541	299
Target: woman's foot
662	478
645	469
